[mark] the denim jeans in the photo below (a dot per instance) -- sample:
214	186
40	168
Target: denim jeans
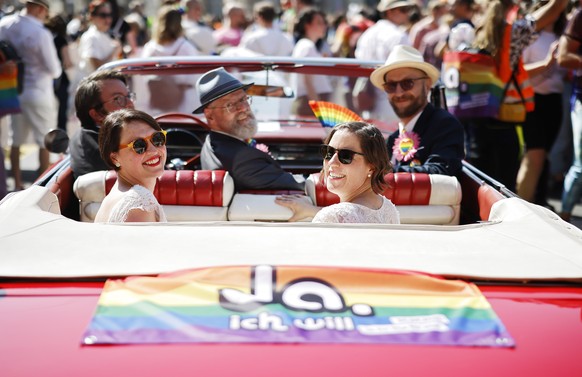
573	180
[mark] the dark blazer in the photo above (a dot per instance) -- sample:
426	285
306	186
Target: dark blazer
441	148
84	150
250	168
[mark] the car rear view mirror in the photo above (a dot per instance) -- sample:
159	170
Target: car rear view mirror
270	91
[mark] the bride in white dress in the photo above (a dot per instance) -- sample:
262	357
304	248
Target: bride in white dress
355	161
132	143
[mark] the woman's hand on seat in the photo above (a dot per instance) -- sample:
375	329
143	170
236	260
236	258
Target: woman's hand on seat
300	205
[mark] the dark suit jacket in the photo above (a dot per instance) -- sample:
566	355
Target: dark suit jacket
84	149
441	148
249	167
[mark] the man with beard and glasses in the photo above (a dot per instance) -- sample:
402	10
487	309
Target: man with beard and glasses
230	145
429	139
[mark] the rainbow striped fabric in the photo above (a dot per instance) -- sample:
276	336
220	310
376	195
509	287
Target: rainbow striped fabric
285	304
9	103
472	87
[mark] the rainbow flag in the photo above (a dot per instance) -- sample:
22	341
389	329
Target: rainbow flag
9	103
472	87
286	304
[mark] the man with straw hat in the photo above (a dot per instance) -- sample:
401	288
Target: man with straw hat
429	139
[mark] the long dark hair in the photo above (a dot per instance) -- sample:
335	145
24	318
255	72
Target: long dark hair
305	17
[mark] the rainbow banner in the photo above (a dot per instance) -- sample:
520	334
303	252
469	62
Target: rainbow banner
472	87
283	304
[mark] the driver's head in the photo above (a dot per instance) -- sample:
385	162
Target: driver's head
99	94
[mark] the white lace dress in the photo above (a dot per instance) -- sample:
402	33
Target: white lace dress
356	213
136	197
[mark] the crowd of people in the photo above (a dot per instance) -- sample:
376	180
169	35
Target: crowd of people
535	41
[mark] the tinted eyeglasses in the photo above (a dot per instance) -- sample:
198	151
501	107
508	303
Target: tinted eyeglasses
140	145
345	156
121	100
233	107
406	84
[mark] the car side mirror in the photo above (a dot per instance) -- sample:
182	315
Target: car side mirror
56	141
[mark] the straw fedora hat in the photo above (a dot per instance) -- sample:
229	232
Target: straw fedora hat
215	84
404	57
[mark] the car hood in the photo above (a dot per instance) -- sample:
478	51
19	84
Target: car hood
39	242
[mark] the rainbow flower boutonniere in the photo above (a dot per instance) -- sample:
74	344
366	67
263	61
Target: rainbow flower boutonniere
406	146
260	146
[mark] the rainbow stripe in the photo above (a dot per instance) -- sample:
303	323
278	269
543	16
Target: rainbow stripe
472	86
189	307
9	103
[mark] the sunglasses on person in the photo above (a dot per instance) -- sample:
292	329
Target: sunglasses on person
406	84
345	156
140	145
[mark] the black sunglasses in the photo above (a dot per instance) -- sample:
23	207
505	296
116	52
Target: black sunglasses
406	84
345	156
139	146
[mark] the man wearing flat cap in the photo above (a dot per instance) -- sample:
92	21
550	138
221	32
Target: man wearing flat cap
428	139
229	144
34	43
378	41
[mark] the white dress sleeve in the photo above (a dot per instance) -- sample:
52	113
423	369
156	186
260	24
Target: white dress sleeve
138	197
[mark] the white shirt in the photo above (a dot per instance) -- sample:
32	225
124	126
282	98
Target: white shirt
94	44
267	41
200	36
180	47
409	127
378	41
305	48
36	47
552	80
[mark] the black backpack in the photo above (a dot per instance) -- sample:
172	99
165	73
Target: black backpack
8	53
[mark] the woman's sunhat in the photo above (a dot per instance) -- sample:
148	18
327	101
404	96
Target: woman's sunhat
215	84
404	57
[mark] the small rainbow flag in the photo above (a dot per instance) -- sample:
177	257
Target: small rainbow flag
330	114
286	304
